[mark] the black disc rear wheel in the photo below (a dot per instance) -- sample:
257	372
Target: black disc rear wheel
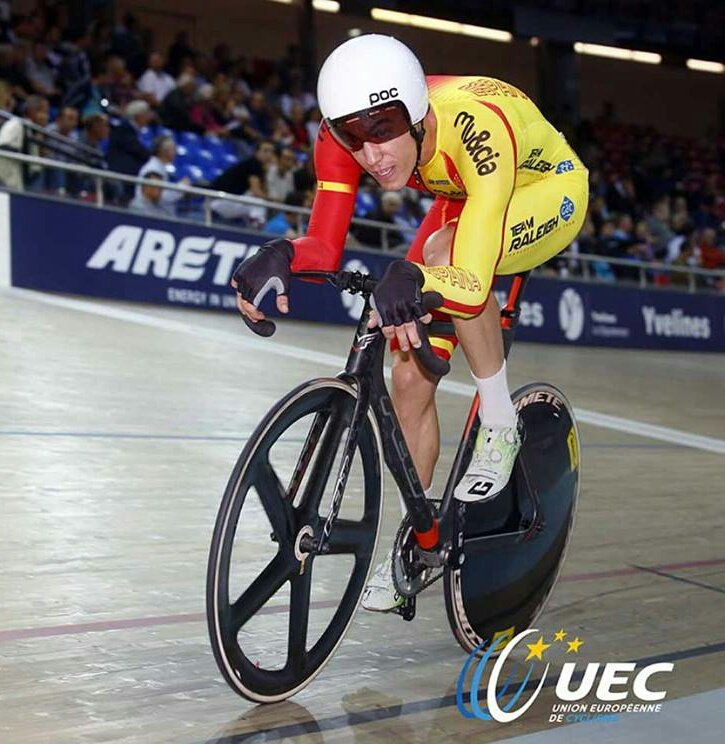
276	612
513	553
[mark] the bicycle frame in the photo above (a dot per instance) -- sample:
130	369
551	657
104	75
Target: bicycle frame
364	369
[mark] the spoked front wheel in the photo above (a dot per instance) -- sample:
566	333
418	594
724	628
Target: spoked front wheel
276	609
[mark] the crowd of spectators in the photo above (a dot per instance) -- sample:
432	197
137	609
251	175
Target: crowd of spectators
108	87
652	198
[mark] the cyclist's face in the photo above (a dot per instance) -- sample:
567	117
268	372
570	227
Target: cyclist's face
389	163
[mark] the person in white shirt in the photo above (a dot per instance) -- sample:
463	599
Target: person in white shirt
280	176
155	82
13	137
149	199
164	153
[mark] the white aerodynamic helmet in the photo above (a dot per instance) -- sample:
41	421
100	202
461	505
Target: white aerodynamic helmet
367	72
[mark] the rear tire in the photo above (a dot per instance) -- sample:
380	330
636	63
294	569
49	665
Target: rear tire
506	579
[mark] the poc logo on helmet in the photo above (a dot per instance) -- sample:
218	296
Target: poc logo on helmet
383	95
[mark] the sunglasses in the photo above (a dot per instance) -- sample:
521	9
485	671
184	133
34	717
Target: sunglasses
377	125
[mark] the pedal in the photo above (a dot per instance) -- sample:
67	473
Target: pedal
407	609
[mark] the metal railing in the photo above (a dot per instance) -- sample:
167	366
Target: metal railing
51	140
646	270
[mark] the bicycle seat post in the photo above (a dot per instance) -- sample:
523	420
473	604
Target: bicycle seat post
511	310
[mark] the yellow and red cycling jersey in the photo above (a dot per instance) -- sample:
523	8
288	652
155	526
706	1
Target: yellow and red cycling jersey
501	174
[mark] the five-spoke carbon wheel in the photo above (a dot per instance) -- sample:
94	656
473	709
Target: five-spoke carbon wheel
276	609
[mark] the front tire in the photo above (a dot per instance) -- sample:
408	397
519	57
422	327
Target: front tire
295	514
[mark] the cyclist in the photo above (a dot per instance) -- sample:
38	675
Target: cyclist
510	193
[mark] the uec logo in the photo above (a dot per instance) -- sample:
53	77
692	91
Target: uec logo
612	674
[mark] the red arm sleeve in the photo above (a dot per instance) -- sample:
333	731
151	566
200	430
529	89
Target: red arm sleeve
337	180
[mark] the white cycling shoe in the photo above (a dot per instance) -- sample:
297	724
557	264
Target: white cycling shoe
380	594
492	463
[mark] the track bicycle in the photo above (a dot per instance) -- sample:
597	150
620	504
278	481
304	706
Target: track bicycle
499	559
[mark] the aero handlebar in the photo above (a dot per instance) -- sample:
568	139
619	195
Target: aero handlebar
358	283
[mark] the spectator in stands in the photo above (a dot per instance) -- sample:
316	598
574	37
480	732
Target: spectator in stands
607	245
180	52
247	176
66	125
281	133
7	99
39	74
300	136
155	83
280	175
312	123
658	223
712	255
390	210
149	201
163	154
260	123
6	34
74	76
296	95
126	153
116	84
11	71
304	176
287	224
201	111
127	43
621	195
94	133
13	136
705	216
599	212
174	109
624	231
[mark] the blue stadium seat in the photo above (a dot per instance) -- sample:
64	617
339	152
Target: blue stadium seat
146	135
192	172
189	139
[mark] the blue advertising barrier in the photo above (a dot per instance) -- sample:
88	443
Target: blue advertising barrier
79	249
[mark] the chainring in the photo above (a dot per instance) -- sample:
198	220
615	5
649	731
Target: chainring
410	575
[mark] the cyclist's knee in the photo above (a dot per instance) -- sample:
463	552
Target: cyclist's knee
437	248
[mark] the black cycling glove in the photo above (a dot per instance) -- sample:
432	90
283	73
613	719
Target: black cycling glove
398	295
268	269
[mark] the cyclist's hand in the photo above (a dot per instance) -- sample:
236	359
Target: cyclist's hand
252	313
265	271
396	304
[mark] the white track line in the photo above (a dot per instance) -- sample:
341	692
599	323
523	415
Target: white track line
240	340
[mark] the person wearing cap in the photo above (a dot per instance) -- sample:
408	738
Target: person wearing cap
510	194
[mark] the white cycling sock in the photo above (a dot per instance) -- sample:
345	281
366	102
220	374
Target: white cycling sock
495	406
403	511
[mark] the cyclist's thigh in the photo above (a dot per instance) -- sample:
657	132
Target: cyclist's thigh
543	218
442	212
